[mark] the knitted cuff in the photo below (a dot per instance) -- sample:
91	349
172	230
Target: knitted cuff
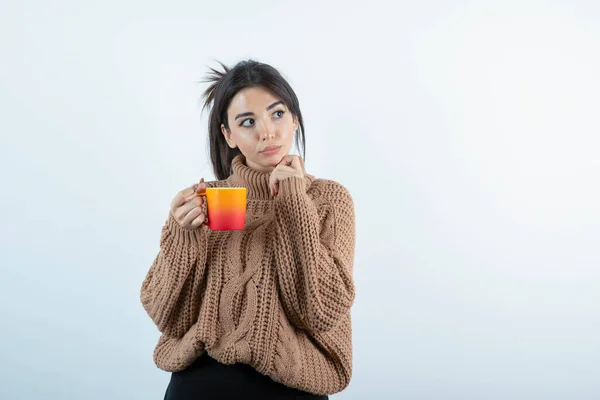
292	185
182	235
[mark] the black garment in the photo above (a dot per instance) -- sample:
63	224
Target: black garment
207	379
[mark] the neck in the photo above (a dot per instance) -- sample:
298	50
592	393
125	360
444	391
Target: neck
257	167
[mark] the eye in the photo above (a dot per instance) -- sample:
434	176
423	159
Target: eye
247	122
279	113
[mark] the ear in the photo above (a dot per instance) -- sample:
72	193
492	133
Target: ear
295	122
227	135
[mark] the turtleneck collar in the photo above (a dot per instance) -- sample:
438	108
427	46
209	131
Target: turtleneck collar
255	182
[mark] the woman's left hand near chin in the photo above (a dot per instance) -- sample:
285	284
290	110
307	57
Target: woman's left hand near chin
289	166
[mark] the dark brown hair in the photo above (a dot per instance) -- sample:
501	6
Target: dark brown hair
224	85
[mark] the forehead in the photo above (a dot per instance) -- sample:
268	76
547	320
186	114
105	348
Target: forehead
252	99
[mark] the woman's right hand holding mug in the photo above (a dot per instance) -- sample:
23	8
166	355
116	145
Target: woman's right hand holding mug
189	207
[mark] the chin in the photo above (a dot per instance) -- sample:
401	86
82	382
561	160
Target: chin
272	162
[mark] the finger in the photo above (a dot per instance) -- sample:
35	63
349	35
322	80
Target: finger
183	196
293	161
272	181
178	200
193	196
296	164
275	177
197	189
201	186
287	160
280	174
282	167
186	208
285	171
198	221
192	215
189	191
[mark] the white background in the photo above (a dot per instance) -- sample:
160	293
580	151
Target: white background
467	131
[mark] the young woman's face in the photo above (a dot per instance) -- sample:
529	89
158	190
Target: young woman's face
261	126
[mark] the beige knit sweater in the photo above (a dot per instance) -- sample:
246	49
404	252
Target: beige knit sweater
276	295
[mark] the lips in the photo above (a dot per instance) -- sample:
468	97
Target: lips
270	149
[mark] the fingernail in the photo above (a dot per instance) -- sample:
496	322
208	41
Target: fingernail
198	188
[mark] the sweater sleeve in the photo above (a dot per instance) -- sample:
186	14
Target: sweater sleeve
314	255
171	287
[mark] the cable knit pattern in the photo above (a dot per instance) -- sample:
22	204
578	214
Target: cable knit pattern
276	295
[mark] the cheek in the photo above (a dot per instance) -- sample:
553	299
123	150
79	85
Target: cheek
288	136
287	128
246	140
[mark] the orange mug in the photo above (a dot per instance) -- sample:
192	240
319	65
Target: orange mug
226	208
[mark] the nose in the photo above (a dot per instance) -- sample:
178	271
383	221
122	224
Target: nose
268	131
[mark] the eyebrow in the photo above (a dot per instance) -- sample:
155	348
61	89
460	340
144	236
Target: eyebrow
246	114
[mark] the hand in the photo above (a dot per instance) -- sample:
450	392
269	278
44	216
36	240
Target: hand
189	206
289	166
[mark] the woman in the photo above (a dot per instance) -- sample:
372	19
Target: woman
263	312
